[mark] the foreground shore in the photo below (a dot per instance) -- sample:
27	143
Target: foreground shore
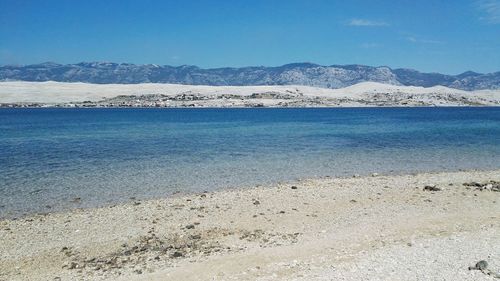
367	228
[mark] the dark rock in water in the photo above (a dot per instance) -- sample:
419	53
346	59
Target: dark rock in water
36	191
432	188
294	187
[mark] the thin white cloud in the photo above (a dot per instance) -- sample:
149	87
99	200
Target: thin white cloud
365	22
490	10
411	39
416	40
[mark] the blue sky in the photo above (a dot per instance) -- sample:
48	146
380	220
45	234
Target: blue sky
435	36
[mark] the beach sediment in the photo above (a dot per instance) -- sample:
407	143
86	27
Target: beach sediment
429	226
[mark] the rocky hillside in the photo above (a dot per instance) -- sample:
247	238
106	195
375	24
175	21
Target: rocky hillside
335	76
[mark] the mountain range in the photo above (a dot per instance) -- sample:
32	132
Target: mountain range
308	74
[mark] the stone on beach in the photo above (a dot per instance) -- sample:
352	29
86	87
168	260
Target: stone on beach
432	188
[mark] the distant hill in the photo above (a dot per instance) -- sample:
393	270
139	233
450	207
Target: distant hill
307	74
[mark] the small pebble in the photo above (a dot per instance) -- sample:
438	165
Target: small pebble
177	254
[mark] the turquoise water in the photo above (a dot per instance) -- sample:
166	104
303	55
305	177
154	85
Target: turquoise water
105	156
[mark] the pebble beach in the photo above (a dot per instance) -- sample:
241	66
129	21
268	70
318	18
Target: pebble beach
427	226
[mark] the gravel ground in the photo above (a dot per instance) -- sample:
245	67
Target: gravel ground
437	258
409	227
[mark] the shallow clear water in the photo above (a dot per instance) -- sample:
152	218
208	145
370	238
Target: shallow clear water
104	156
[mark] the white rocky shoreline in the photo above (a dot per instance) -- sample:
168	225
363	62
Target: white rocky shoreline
366	94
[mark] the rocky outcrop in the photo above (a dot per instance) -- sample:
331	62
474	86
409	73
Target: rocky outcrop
308	74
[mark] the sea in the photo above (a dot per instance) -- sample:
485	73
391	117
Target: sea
55	159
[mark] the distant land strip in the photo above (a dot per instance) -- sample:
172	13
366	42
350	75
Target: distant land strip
305	74
62	94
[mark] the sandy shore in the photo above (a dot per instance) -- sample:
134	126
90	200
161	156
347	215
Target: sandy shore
368	228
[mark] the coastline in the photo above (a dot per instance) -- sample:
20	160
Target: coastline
315	229
150	95
248	107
